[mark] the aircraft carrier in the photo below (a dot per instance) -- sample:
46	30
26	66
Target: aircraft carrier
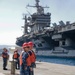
57	40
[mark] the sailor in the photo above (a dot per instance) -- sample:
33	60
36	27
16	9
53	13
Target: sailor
25	62
32	57
5	58
16	57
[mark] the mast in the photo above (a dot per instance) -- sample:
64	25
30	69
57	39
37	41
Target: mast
25	24
37	5
40	9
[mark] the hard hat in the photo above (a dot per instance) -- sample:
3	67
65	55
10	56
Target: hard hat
25	45
30	44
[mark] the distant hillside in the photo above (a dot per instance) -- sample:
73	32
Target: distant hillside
6	46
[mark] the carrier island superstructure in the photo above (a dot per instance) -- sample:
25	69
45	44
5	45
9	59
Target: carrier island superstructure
57	41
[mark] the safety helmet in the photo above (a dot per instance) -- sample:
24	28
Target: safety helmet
25	45
30	44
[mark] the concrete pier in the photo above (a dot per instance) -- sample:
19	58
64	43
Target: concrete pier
54	69
43	68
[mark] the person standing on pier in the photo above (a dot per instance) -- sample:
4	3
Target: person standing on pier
5	57
32	57
16	57
25	62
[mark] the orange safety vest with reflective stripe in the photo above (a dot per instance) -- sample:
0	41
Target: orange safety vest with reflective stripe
32	57
27	60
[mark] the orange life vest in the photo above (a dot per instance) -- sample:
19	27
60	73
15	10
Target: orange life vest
32	57
20	59
27	60
15	56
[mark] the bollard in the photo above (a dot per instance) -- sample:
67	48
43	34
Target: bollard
13	62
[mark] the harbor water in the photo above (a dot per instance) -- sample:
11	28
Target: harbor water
57	60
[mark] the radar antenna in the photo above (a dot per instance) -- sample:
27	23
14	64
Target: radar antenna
40	9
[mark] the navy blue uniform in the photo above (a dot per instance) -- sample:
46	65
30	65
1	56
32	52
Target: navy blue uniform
24	69
5	59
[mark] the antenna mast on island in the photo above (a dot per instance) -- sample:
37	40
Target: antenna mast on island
40	9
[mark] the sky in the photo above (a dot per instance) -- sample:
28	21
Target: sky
11	14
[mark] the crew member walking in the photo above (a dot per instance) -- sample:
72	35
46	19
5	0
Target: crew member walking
5	58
